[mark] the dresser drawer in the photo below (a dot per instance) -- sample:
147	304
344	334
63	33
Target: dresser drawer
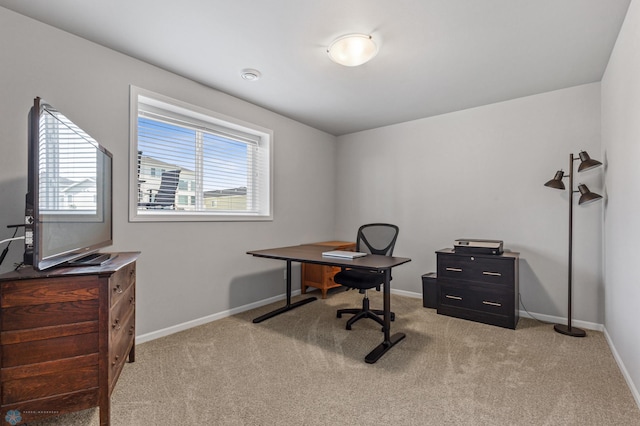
49	314
120	282
473	268
122	310
476	298
459	297
121	341
49	349
54	383
55	290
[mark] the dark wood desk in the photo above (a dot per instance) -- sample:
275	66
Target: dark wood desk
313	254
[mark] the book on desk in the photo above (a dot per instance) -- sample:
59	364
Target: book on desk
343	254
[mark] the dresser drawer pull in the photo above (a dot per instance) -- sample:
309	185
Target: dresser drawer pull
116	324
131	300
454	269
116	360
448	296
493	274
484	302
131	330
118	289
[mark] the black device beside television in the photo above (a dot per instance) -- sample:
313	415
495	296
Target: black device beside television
68	214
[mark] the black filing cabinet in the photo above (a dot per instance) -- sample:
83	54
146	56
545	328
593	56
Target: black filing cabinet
481	288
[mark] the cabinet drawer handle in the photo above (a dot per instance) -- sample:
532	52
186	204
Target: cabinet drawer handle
116	360
493	274
484	302
448	296
454	269
131	300
131	330
116	324
118	289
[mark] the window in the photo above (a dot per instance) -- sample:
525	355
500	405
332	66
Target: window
189	163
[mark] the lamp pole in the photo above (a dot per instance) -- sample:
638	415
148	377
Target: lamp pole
561	328
586	163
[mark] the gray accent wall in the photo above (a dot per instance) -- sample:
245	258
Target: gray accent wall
621	152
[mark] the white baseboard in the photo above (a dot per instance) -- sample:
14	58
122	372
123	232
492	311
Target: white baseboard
623	369
209	318
560	320
407	293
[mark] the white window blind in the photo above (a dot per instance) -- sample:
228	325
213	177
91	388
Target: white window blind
68	166
193	164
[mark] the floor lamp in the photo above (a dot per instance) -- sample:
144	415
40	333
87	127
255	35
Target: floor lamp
586	196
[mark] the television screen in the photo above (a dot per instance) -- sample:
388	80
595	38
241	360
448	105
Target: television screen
68	203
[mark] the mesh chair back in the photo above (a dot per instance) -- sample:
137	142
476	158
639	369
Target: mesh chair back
377	238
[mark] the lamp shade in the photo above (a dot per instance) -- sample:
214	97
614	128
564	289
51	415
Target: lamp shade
556	182
352	50
587	162
586	195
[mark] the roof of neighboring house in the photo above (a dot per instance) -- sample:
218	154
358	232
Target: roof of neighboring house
226	192
70	184
152	161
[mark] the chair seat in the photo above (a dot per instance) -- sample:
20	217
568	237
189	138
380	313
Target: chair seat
362	280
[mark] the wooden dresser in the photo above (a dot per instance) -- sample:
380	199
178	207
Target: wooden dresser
65	334
320	276
479	287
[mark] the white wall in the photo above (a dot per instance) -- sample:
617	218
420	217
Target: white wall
480	173
187	270
621	150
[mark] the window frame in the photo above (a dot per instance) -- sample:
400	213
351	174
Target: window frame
265	136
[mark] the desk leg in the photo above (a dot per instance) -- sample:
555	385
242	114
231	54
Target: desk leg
289	306
389	341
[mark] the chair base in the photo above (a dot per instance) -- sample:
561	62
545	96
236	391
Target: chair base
365	312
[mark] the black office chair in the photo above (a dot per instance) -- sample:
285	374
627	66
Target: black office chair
166	195
374	238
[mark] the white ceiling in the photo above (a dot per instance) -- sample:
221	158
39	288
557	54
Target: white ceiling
436	56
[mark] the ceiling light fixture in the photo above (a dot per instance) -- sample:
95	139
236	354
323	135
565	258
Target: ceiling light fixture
352	50
250	74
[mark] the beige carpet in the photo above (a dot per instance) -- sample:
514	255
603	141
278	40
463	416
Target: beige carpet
304	368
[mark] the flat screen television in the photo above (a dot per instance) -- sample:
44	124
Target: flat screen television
68	214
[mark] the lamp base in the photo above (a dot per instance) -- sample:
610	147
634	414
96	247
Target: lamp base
573	331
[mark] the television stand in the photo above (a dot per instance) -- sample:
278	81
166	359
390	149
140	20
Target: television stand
66	335
93	259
